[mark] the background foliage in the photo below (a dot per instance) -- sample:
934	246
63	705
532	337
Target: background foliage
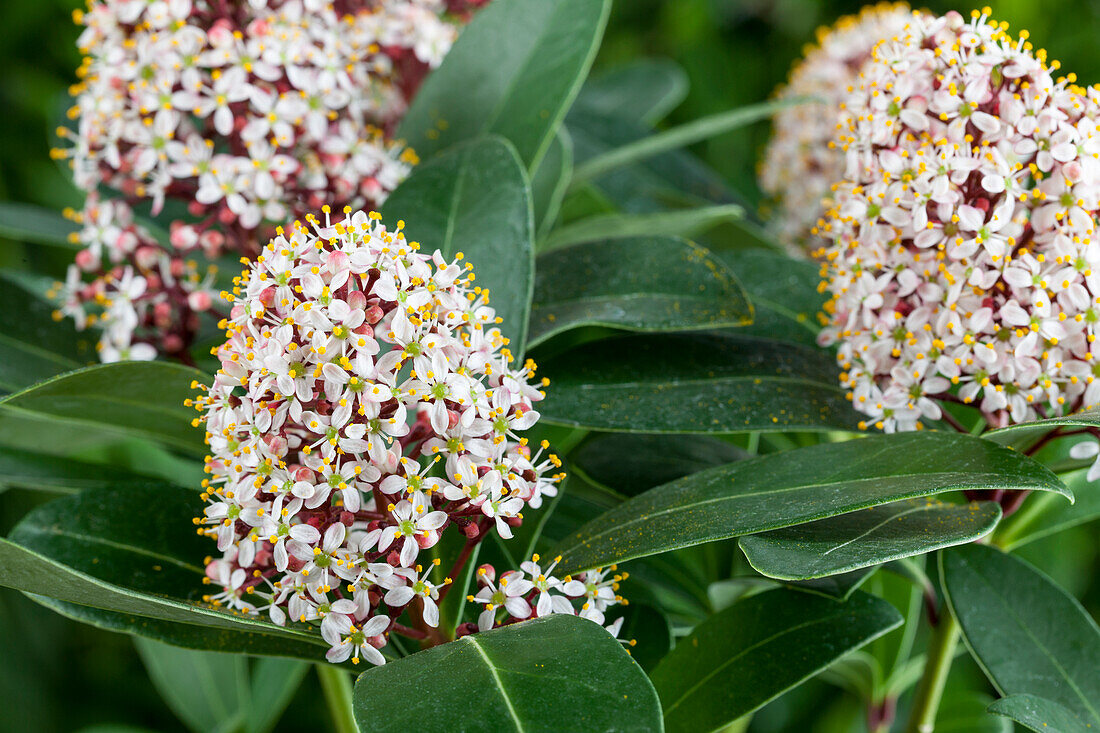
61	675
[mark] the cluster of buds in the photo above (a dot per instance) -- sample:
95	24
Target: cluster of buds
366	404
231	116
961	263
798	164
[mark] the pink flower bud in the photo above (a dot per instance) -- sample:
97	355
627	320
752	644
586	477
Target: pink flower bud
199	300
356	300
486	573
146	257
86	261
173	343
182	236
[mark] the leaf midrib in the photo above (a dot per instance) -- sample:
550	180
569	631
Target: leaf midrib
1027	632
752	647
40	352
880	525
499	683
93	540
693	382
521	68
940	485
690	297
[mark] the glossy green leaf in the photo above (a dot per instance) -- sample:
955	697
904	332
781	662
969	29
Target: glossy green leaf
213	691
133	558
678	137
839	587
514	72
475	199
964	711
646	89
208	691
557	673
674	178
641	283
139	399
52	473
29	223
34	346
1027	431
1028	634
550	181
783	291
630	463
753	651
695	383
680	223
872	536
234	639
274	682
1039	714
1043	515
798	486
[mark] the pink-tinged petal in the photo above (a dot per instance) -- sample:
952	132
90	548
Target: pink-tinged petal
339	654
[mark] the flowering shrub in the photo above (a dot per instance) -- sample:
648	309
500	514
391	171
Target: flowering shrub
354	365
246	114
379	488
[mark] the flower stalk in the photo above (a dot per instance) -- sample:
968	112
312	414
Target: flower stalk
337	689
941	653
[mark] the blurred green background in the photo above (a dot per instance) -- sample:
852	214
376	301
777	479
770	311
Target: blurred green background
57	675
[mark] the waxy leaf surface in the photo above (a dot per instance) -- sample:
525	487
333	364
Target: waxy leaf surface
143	399
798	486
1039	714
1028	634
475	199
868	537
695	383
131	558
756	649
557	673
639	284
514	72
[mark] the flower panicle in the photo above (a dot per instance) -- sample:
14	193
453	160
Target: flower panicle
959	255
231	117
366	404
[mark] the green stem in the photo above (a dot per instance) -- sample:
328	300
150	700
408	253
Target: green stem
1011	529
941	652
336	684
678	137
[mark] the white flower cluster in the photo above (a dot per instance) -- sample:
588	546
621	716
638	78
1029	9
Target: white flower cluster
961	260
245	114
597	589
366	403
141	288
799	166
